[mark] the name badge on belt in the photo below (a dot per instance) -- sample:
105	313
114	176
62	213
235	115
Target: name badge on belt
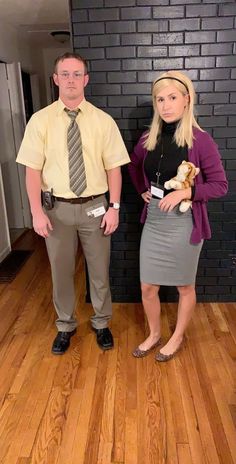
99	210
157	190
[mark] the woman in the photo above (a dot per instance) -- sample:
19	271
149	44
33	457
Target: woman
171	241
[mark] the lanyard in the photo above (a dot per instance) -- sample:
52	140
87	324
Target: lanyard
158	173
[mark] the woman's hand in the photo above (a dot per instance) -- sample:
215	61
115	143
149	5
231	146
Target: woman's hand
146	196
174	198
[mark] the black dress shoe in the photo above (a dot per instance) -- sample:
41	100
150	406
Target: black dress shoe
62	342
104	338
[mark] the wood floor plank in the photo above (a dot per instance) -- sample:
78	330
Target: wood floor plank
85	345
95	422
6	432
82	429
167	431
228	310
107	421
131	449
203	424
176	404
118	447
219	317
194	438
73	411
184	454
217	408
141	409
131	437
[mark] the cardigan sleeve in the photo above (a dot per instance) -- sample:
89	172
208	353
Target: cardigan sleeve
214	183
135	168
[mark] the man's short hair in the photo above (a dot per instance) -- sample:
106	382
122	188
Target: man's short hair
67	55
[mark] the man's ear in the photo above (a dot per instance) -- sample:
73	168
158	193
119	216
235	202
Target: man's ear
55	78
86	79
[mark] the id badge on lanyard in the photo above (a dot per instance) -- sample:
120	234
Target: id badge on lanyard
157	190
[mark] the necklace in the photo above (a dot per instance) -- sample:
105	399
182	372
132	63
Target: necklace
158	173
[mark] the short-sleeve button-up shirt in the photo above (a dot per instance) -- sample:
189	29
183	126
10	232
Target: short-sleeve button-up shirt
44	147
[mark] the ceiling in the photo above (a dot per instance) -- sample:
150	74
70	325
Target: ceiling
36	18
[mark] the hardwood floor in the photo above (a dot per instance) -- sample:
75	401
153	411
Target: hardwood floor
94	407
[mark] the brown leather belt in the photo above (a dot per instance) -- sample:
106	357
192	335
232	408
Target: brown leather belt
79	200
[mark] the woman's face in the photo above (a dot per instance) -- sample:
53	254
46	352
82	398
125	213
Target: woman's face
171	103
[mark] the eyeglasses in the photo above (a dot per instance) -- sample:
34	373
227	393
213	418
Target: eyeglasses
76	75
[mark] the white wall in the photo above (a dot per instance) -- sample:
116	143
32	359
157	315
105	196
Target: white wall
14	48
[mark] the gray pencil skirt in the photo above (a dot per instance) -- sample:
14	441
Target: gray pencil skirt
166	255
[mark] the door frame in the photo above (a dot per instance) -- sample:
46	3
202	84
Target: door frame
19	122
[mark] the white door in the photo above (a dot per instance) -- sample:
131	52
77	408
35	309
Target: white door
19	122
12	124
5	244
10	176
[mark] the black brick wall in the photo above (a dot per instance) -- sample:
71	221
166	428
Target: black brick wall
127	42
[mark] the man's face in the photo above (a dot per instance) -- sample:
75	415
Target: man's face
71	79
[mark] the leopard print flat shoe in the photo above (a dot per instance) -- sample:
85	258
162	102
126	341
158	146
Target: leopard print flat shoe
137	353
161	357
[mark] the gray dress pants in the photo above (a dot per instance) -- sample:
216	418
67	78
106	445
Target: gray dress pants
68	221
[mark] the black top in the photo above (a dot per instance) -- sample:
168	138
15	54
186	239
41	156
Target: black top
172	156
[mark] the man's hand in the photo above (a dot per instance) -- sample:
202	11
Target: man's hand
174	198
110	221
41	224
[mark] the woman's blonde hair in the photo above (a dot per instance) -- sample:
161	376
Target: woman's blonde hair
184	131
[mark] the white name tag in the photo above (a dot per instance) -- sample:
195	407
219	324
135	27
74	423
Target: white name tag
157	191
96	212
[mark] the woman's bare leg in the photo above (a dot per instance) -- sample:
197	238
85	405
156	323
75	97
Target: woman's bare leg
187	302
152	308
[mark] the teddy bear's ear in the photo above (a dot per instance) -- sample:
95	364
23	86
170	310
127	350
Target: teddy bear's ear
184	162
197	170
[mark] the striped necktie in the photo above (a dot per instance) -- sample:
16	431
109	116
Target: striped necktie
77	173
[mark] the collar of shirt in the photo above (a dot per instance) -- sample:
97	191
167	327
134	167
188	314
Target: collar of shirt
61	106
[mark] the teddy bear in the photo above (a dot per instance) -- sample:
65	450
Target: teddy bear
186	172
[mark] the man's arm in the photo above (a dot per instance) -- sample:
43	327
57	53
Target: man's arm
111	217
41	222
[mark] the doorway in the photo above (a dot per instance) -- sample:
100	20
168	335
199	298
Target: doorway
12	124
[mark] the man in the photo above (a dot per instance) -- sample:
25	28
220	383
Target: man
73	152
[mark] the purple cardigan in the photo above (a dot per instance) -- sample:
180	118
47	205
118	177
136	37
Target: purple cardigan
211	182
